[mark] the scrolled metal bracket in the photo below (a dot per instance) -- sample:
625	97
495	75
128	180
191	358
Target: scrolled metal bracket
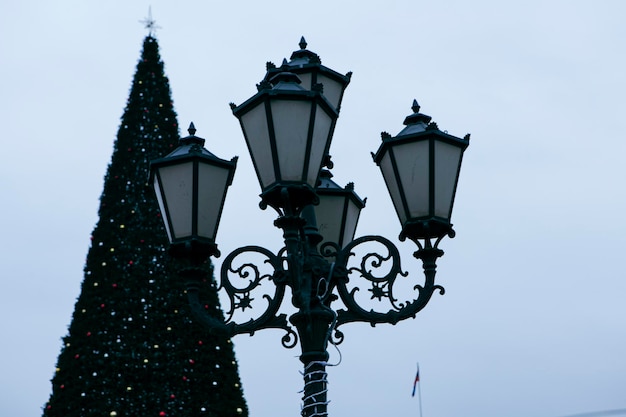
242	297
315	283
382	283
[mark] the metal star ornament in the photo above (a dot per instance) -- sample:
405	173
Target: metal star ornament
149	23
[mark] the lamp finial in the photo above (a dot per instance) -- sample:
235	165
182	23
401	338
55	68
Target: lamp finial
192	129
415	107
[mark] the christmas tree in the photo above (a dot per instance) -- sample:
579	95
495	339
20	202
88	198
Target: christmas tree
132	348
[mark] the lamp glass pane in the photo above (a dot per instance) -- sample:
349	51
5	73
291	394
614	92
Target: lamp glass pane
386	168
328	213
447	164
256	131
332	89
291	126
412	159
159	196
212	184
321	136
177	189
352	218
306	79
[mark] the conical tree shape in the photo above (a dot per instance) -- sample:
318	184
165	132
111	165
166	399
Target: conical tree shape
132	347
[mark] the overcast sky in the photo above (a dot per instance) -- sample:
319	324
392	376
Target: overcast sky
533	322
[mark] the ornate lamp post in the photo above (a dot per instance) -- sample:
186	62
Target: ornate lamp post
288	127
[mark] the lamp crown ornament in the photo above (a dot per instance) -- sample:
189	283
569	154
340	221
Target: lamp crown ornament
415	107
191	129
304	56
417	119
192	139
308	66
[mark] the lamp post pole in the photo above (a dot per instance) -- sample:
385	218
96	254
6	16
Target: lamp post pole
288	127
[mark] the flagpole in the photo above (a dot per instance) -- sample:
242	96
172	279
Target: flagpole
416	384
419	393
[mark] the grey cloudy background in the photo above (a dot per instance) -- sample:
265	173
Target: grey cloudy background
534	317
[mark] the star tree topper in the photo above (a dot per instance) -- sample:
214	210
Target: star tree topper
149	23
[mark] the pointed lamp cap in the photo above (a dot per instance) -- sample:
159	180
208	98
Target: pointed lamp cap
191	129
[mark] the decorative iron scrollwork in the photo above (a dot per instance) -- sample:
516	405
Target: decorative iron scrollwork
242	297
381	271
245	271
378	270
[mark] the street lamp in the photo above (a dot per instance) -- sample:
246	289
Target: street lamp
288	130
190	185
337	213
421	168
288	127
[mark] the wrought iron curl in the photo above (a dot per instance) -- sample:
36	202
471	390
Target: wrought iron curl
382	285
336	337
329	249
240	297
246	270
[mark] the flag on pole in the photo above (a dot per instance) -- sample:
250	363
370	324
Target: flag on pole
417	379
